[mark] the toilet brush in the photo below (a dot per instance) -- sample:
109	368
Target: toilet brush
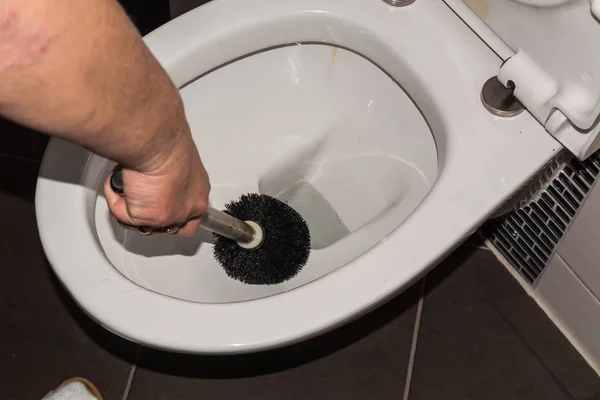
259	239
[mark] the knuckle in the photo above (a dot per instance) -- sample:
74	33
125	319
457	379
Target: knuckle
202	205
151	218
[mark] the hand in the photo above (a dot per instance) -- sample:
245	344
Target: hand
172	193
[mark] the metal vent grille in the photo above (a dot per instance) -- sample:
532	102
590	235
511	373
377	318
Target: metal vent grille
528	237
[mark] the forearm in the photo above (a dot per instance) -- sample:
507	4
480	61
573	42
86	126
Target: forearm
79	70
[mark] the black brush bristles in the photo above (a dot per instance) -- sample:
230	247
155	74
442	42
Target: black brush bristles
285	248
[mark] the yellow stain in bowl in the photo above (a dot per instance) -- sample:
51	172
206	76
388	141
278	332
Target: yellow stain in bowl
479	7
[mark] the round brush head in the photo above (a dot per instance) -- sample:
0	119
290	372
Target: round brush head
285	247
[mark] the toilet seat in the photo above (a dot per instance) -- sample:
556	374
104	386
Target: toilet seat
482	160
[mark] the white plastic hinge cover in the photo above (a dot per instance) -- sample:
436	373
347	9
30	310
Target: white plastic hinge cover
580	144
595	4
569	112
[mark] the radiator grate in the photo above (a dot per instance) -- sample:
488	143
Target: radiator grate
528	237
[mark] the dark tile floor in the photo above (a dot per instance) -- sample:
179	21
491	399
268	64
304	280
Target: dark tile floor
479	335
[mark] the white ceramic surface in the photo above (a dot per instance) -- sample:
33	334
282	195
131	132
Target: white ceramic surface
436	59
309	114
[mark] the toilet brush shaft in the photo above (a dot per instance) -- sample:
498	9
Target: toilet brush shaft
225	225
213	220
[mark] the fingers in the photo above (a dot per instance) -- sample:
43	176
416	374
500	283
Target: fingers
117	205
190	228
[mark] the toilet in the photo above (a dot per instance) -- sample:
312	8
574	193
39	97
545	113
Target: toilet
375	119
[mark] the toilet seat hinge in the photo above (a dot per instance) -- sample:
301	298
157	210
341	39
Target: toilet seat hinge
569	112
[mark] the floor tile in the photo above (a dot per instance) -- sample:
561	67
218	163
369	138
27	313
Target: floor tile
469	349
551	348
366	359
18	141
469	276
470	354
45	338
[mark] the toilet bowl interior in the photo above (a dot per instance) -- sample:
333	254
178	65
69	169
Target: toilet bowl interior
318	126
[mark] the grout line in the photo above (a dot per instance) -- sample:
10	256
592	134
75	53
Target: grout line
546	308
413	346
131	374
534	354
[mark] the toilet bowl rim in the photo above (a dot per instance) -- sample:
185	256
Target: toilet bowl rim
115	301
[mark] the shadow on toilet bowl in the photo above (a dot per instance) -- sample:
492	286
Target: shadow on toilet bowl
159	245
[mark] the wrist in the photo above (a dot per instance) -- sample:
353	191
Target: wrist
153	133
166	147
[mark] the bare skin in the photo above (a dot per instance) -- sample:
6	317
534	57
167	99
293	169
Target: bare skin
79	70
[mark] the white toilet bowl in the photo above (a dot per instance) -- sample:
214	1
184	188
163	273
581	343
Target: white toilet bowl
367	118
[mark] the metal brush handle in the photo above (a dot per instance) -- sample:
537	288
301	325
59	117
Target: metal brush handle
225	225
212	220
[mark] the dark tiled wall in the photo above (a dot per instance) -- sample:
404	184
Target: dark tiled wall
21	142
179	7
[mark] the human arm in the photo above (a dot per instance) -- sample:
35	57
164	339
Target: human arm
79	70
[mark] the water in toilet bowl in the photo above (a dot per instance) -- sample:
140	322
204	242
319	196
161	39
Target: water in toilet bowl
320	128
324	223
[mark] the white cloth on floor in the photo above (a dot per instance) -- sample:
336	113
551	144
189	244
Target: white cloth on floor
71	391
